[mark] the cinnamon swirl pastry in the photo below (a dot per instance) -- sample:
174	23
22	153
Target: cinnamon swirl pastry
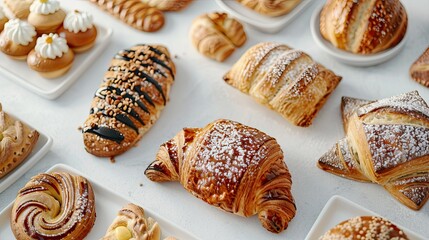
54	206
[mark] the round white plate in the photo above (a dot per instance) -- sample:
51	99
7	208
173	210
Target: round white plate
348	57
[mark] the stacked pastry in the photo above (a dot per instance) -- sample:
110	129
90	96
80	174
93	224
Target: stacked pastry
387	143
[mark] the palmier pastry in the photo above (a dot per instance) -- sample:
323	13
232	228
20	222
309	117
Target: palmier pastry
168	5
51	57
17	39
3	19
79	31
132	223
364	26
365	228
46	16
231	166
19	8
54	205
419	71
271	8
135	13
134	90
216	35
387	143
285	80
17	140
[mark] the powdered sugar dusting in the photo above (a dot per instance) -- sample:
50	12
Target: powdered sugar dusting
350	105
392	145
345	151
307	76
257	54
414	179
282	62
417	194
332	159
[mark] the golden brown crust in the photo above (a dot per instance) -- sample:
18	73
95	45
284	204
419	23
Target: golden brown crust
132	222
271	8
364	26
135	13
46	24
365	228
57	205
3	21
80	39
387	143
285	80
216	35
12	49
21	8
134	90
17	140
232	166
419	70
41	64
168	5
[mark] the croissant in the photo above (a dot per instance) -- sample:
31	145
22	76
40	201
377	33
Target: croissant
134	90
131	223
135	13
285	80
365	228
54	206
364	26
231	166
419	70
387	143
271	8
17	140
216	35
20	9
168	5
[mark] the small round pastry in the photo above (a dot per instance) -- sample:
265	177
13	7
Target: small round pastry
46	16
79	31
17	39
54	205
365	228
51	57
3	19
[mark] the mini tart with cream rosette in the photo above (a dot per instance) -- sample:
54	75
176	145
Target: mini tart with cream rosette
79	30
17	39
3	19
51	57
46	16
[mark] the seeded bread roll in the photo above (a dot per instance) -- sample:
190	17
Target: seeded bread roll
134	90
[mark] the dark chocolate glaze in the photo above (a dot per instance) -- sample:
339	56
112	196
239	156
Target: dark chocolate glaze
107	133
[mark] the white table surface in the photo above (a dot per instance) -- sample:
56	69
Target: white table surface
199	96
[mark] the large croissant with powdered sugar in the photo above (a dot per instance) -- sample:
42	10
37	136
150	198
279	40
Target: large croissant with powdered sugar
387	143
232	166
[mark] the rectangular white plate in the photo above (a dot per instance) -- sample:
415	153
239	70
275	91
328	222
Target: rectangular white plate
42	147
339	209
107	205
19	72
259	21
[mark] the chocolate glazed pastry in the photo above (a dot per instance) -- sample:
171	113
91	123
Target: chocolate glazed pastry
134	90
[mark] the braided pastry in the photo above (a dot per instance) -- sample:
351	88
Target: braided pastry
364	26
131	223
54	206
168	5
17	140
387	143
231	166
216	35
134	90
135	13
419	71
272	8
285	80
365	228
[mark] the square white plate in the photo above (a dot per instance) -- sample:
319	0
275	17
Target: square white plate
107	204
42	147
259	21
339	209
19	72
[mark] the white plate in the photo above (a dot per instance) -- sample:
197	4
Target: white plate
43	145
19	72
259	21
107	204
339	209
348	57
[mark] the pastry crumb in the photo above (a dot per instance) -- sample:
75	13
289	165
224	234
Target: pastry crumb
112	159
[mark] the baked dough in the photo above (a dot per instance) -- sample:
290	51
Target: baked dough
419	71
272	8
231	166
285	80
19	8
168	5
